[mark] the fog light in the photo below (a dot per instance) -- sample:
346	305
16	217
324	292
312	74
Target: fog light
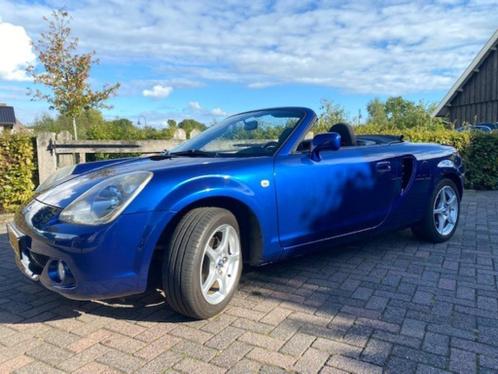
61	270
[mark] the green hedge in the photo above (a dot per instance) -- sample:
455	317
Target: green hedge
481	162
17	168
479	151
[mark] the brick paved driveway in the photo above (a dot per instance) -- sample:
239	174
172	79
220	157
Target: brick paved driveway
391	304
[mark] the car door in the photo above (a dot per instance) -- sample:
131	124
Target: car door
348	190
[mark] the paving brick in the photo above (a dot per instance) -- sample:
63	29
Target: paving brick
271	358
436	343
447	284
195	350
121	361
422	297
245	313
311	362
489	362
296	345
96	368
189	365
467	293
397	365
49	354
334	347
245	366
463	361
397	339
376	352
262	341
86	342
358	335
189	333
161	363
425	369
353	365
157	347
233	354
123	343
224	338
362	293
487	303
413	328
37	368
249	325
420	356
15	363
276	316
83	358
377	303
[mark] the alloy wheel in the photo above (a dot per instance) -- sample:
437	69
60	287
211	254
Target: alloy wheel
220	264
445	210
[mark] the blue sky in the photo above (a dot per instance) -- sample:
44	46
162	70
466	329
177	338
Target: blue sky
204	60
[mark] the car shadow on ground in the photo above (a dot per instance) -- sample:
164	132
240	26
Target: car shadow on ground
25	302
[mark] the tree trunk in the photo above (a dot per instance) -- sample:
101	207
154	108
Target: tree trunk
74	129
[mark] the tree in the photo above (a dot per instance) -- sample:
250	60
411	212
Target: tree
65	72
377	113
331	114
190	124
397	112
87	120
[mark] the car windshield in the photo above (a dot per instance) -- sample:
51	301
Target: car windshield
251	134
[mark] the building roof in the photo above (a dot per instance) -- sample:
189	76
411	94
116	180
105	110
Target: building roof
7	115
471	69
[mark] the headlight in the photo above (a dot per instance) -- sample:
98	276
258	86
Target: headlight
54	178
106	200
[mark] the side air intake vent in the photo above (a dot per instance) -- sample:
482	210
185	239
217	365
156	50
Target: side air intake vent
407	169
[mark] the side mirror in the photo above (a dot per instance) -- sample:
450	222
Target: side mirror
250	125
330	141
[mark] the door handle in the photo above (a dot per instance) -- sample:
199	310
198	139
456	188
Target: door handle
383	166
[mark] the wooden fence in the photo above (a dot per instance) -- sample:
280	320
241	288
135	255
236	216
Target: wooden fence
58	150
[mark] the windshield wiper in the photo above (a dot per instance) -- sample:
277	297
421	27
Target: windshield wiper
192	153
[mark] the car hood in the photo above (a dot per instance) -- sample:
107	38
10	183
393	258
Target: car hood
88	175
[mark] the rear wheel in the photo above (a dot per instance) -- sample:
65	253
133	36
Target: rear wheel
202	267
442	214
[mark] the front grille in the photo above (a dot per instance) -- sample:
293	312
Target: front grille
38	259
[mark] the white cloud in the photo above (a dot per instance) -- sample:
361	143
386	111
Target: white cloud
196	109
194	105
16	52
158	91
218	112
374	47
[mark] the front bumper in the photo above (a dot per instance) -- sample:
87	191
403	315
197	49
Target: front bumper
101	262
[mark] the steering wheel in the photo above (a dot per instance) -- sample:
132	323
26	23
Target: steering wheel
270	144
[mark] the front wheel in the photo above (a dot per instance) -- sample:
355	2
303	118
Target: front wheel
442	214
202	266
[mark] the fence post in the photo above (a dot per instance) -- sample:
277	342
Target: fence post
68	158
194	133
47	159
180	134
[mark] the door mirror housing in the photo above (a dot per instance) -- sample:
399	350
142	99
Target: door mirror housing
330	141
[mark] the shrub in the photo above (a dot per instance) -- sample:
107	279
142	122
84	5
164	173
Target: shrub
479	151
459	140
16	170
482	162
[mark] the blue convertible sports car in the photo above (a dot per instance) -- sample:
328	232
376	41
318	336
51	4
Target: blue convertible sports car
257	188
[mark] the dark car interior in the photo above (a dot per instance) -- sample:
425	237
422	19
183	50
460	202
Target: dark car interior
349	139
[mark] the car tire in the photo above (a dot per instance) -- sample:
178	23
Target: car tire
441	216
202	266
